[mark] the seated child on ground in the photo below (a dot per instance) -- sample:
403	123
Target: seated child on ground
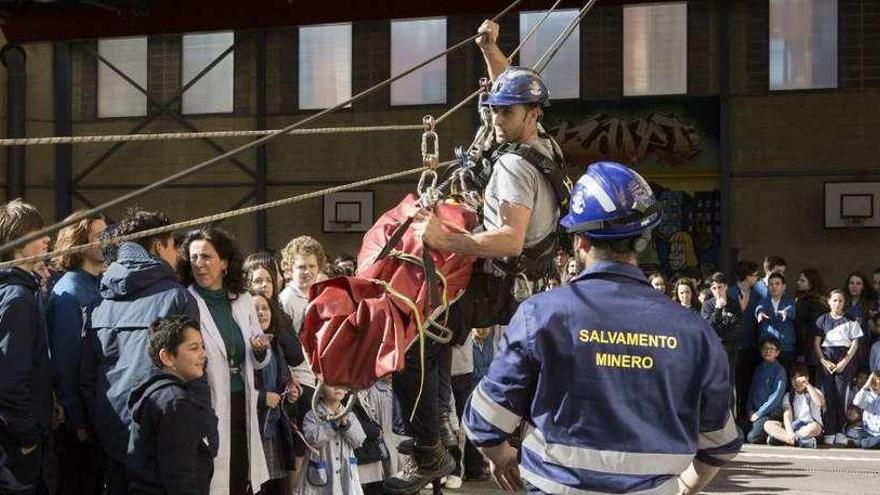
801	412
868	400
765	394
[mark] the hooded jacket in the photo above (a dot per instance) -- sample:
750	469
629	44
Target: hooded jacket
25	378
173	438
72	300
135	290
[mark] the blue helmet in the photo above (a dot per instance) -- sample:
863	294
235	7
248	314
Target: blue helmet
612	201
518	86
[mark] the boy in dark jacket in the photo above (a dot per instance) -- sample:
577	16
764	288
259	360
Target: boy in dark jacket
723	314
173	435
25	380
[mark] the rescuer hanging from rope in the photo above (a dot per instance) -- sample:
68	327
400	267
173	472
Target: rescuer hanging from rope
523	188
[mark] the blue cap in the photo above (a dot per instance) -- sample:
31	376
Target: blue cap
612	201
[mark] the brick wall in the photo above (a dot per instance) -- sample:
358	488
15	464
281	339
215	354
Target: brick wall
371	42
164	67
784	145
602	53
859	44
702	62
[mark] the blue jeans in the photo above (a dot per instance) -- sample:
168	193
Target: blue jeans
757	433
870	442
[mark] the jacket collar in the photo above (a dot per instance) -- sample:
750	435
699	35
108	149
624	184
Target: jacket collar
17	276
612	268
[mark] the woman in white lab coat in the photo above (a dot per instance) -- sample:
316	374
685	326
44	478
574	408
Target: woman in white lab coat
211	266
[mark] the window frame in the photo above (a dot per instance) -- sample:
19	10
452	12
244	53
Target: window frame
835	51
99	65
299	66
623	71
572	39
182	75
445	60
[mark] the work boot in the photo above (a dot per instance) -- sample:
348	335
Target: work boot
447	434
407	447
428	462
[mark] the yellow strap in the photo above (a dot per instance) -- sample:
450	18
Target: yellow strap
420	326
444	296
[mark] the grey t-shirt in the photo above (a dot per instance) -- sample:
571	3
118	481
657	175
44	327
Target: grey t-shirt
294	304
514	180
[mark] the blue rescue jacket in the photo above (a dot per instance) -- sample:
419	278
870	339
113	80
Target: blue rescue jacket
618	388
136	290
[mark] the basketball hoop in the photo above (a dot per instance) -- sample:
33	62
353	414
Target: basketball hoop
854	222
342	226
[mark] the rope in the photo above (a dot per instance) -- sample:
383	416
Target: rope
165	136
211	161
218	216
542	62
522	43
168	136
273	204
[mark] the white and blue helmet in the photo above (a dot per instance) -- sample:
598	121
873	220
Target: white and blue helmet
612	201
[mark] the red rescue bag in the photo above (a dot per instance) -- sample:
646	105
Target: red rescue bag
357	329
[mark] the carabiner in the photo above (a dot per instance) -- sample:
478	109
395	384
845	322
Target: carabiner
430	159
425	186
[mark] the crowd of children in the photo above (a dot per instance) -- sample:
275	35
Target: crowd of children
174	366
802	362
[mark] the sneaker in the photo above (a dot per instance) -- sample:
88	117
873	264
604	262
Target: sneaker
447	434
828	439
430	486
809	443
478	477
453	482
844	441
428	463
773	441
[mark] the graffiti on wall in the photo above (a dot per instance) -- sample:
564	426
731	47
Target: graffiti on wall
660	137
687	242
664	137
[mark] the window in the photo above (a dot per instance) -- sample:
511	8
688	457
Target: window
213	92
655	49
562	74
413	41
803	44
324	65
116	96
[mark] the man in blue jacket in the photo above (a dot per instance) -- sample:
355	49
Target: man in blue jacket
137	288
25	381
618	389
73	297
